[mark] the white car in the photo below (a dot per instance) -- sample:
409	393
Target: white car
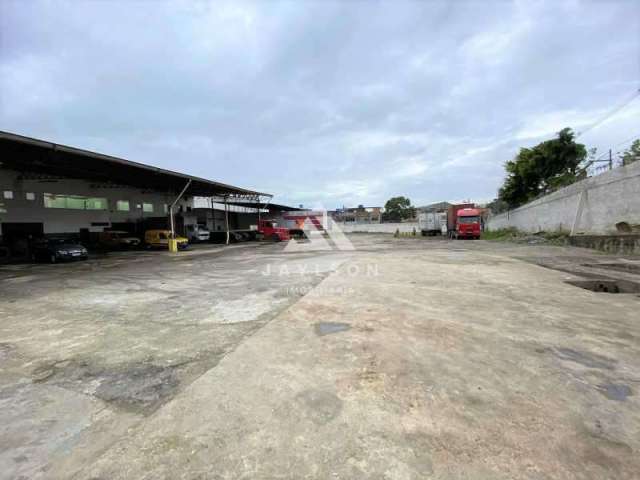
196	233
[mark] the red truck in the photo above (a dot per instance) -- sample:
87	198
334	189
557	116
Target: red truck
270	230
467	223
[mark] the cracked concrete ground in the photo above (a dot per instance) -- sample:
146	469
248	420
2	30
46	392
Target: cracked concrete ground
407	358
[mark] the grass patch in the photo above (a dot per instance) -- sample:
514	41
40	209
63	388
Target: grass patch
513	235
503	234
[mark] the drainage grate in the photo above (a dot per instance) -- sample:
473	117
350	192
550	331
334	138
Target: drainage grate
607	286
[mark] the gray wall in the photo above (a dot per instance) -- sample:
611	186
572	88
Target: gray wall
57	220
350	227
599	202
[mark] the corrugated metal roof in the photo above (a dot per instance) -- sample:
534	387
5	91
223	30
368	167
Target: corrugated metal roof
33	156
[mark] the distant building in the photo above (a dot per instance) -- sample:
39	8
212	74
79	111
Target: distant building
434	207
359	214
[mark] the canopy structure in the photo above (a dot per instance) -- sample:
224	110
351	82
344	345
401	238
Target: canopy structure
272	207
35	158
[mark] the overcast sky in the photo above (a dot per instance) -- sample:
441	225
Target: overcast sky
319	102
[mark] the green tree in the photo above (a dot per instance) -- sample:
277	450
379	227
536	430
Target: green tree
632	154
547	166
497	206
398	209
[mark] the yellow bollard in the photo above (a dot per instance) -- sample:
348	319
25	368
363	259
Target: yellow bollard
173	245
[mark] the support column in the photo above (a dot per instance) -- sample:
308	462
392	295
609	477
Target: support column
226	217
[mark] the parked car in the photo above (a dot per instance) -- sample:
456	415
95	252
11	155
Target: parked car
160	239
197	233
118	239
58	250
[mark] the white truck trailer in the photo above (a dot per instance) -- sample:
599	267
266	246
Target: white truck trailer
432	223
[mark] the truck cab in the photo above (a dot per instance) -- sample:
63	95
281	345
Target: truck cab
270	230
468	223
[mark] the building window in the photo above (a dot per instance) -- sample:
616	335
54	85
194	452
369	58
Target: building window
166	208
55	201
147	207
8	194
122	205
96	204
74	202
30	196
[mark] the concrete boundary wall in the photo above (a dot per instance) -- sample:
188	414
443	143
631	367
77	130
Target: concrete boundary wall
378	227
591	206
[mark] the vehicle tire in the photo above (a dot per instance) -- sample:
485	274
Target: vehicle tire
275	237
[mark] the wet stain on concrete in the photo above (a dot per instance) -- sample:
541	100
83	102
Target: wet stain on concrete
140	388
613	391
327	328
586	359
319	406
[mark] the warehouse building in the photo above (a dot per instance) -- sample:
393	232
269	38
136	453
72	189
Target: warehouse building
50	189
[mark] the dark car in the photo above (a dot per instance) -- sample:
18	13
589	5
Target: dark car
58	250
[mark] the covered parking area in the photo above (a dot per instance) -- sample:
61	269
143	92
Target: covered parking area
239	215
52	189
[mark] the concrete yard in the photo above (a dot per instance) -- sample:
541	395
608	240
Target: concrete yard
406	358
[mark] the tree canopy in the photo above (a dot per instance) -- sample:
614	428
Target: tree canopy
632	154
547	166
398	209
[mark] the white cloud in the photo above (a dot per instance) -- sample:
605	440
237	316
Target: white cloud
548	124
339	102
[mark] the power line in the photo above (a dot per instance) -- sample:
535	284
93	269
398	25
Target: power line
610	114
629	140
635	137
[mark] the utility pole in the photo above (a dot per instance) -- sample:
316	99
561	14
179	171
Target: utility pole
610	161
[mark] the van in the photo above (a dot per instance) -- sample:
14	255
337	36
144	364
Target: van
160	239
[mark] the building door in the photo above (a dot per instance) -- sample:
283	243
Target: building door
18	237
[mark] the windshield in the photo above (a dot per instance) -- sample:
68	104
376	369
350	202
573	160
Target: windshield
60	241
468	220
